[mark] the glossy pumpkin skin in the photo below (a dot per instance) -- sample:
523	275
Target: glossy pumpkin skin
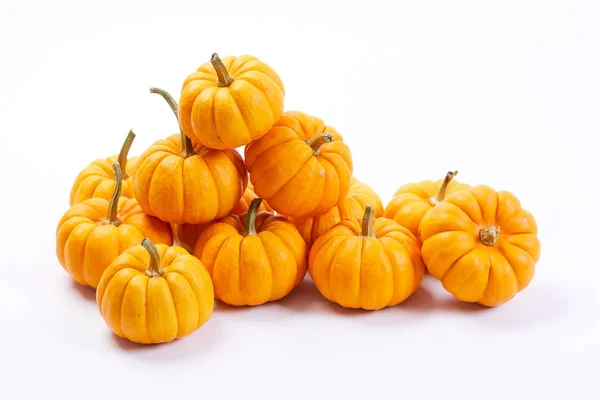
86	245
254	269
155	309
413	200
367	273
352	207
455	253
193	190
230	116
97	180
296	179
186	235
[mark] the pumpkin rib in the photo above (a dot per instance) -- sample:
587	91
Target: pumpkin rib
159	158
88	232
333	258
240	113
454	263
287	181
122	303
262	93
214	180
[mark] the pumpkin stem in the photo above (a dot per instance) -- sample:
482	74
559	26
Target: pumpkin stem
367	222
124	152
441	194
154	268
112	217
316	142
187	148
250	222
490	235
224	78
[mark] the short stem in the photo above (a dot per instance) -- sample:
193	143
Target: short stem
250	222
224	78
490	235
187	148
124	152
367	222
441	194
316	142
154	268
112	217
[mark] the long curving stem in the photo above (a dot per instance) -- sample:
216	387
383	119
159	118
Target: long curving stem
367	222
154	269
224	79
441	195
316	142
250	222
112	217
187	148
124	152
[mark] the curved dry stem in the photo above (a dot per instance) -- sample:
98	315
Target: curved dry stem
112	217
187	148
250	222
154	268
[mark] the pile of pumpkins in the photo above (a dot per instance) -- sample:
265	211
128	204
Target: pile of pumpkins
162	235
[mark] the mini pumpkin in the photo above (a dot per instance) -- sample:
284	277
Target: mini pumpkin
301	166
254	258
183	183
351	207
155	294
412	201
186	235
369	266
97	179
481	244
92	233
227	103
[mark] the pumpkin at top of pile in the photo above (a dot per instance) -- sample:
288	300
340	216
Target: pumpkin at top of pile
97	179
229	102
301	167
181	182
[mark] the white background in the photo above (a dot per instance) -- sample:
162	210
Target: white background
506	92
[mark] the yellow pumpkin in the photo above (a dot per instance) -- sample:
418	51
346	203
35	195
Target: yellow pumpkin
97	179
229	102
351	207
155	294
180	182
370	266
302	167
412	201
254	258
481	244
92	233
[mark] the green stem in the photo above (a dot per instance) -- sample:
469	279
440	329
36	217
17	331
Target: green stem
124	152
250	222
224	78
112	217
367	222
187	148
154	268
316	142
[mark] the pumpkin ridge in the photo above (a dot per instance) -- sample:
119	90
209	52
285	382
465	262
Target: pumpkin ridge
215	187
443	277
232	100
265	99
329	262
308	159
80	262
153	176
121	306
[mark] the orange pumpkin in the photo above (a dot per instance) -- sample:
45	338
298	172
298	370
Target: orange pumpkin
352	207
97	179
181	183
412	201
481	244
368	266
155	294
301	166
227	103
253	258
186	235
92	233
